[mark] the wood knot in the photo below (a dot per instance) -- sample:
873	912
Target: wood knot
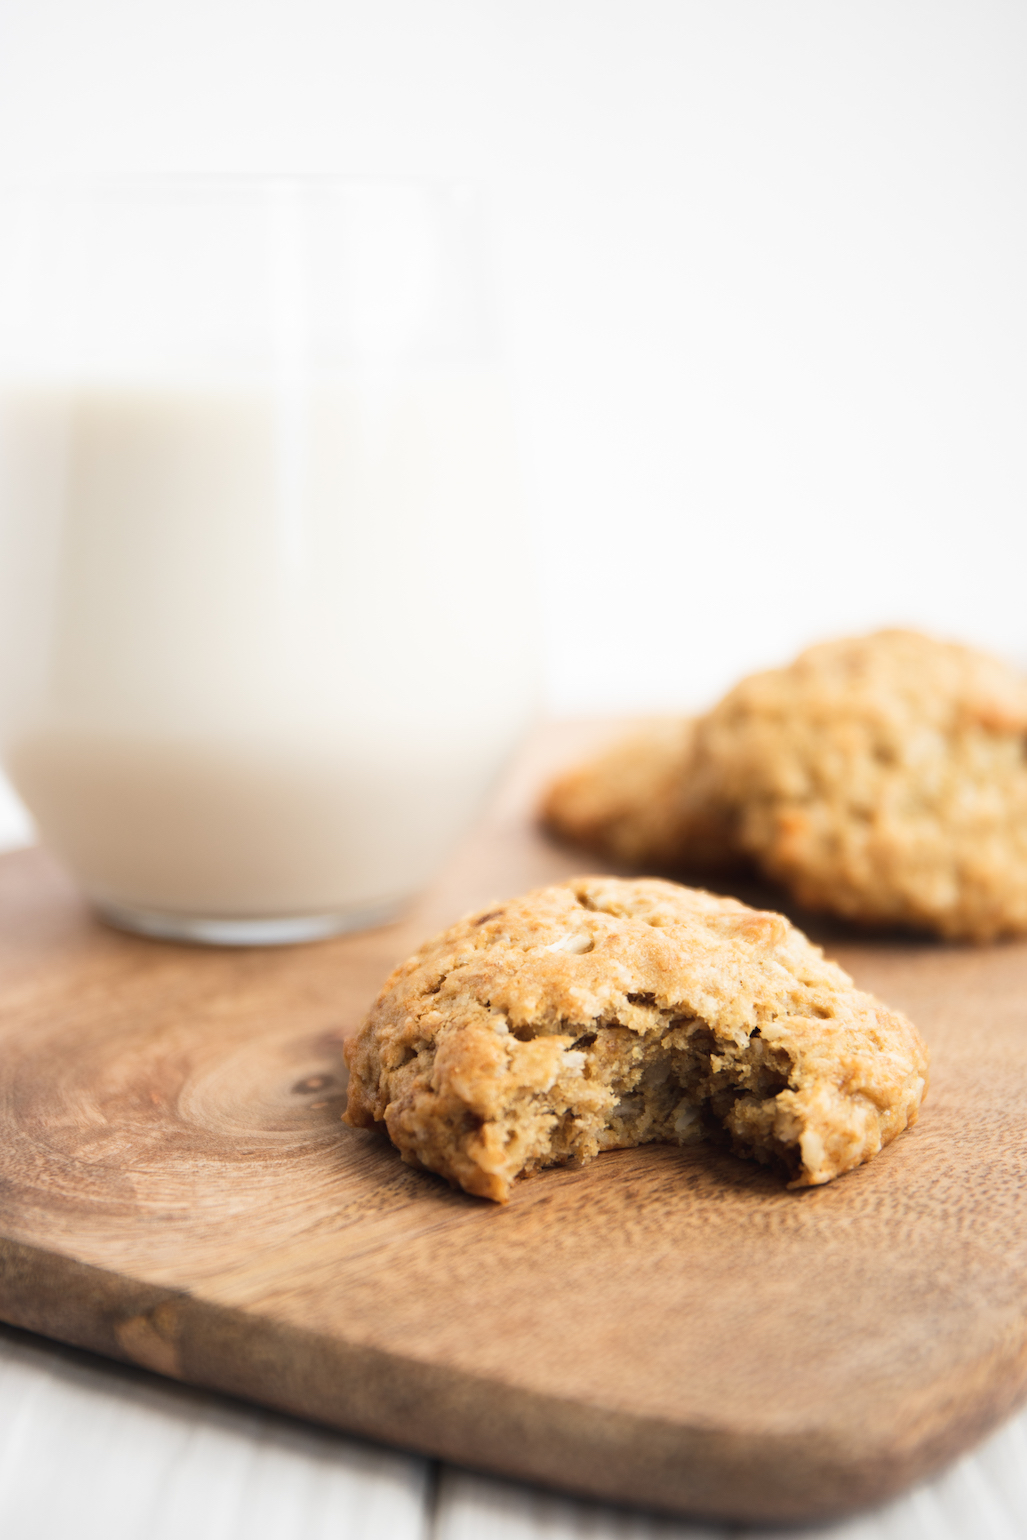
151	1339
313	1083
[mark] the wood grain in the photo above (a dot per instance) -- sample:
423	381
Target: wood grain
668	1327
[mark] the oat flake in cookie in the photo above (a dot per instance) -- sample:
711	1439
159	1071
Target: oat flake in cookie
600	1014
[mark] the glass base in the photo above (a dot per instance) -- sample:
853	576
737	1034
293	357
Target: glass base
214	931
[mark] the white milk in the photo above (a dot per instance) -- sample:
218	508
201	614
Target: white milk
265	651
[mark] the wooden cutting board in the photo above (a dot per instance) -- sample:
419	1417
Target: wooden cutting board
668	1327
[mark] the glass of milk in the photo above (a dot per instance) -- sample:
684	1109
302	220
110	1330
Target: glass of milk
266	635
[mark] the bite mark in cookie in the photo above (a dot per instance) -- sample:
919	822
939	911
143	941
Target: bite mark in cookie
601	1014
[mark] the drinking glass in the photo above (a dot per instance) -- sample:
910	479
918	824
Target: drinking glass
267	633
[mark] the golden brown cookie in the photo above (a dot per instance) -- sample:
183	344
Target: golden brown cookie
882	778
634	803
601	1014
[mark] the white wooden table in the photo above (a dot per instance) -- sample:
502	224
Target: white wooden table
95	1451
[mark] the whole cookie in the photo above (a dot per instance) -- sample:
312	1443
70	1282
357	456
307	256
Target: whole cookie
638	803
601	1014
627	803
883	778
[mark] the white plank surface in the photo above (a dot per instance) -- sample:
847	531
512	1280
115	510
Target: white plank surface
96	1451
473	1507
984	1497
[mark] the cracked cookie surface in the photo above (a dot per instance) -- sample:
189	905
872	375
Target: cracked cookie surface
601	1014
881	778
